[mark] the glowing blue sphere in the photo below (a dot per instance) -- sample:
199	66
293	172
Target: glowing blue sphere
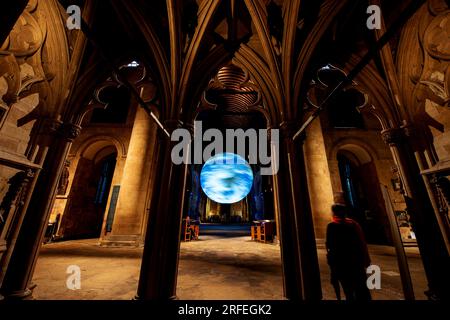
226	178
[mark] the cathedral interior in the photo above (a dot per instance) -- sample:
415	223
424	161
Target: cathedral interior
86	172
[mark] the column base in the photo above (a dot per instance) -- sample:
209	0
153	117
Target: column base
26	294
320	243
122	241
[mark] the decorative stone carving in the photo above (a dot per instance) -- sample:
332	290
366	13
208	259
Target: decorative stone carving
49	126
70	131
20	48
232	93
424	77
12	198
436	74
326	80
441	188
64	180
409	131
34	54
392	137
444	185
135	74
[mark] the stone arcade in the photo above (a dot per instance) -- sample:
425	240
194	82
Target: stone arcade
87	179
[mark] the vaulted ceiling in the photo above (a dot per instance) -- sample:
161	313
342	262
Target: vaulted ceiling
277	44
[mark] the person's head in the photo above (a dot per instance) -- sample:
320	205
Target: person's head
338	210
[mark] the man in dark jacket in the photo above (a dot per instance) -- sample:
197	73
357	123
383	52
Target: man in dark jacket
347	255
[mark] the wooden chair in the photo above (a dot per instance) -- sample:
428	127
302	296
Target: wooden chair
195	231
258	232
266	232
253	232
185	231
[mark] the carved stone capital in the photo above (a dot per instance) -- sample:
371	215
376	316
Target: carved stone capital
409	131
29	174
393	136
49	126
70	131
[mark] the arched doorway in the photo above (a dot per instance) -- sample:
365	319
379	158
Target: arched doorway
237	236
361	189
89	193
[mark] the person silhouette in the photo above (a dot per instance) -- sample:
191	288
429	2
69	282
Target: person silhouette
347	256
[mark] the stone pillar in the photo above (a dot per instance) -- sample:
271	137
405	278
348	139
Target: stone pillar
319	178
301	274
16	284
430	240
15	203
159	269
128	225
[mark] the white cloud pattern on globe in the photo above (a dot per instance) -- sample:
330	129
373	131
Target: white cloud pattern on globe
226	178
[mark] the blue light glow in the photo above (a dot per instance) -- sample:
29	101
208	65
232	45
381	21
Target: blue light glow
226	178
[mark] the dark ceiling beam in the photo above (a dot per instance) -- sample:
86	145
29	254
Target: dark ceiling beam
10	12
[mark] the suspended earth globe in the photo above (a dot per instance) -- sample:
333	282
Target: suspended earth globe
226	178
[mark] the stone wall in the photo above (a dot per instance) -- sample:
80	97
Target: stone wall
321	148
91	145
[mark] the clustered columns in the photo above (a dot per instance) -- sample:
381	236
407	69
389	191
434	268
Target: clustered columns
159	269
301	274
429	238
54	140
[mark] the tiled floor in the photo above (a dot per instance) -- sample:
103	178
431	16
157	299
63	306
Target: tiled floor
214	267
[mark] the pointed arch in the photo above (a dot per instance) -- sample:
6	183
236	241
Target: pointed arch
216	58
328	12
258	14
156	52
246	58
206	11
173	12
291	11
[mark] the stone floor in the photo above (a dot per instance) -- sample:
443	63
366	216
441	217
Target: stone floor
215	267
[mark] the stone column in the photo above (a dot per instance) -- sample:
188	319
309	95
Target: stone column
430	240
128	225
16	283
301	274
159	269
15	202
319	178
